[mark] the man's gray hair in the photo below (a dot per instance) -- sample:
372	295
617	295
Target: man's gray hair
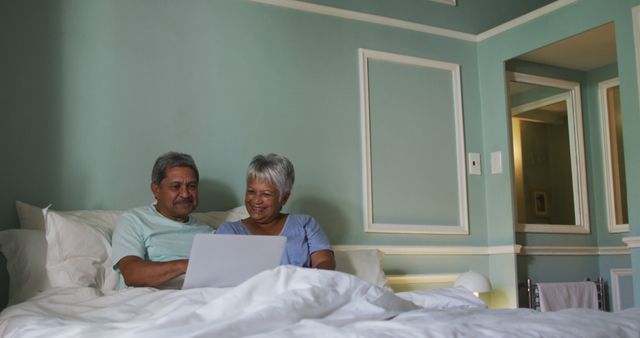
274	168
170	160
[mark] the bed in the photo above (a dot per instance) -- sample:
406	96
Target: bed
70	292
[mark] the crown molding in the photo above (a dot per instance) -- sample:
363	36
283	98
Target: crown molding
554	6
370	18
402	24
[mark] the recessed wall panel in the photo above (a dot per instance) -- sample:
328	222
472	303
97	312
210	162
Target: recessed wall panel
414	156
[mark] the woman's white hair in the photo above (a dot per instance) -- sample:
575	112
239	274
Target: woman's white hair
275	169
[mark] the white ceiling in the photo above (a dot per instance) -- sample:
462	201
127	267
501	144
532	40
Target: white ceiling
586	51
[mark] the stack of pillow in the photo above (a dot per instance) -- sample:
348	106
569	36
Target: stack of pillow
73	249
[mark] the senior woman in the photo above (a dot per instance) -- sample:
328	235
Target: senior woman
269	182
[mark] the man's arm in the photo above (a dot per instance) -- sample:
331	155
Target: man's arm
139	272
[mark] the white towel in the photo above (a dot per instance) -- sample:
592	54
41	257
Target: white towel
557	296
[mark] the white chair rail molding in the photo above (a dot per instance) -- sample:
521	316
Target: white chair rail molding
632	242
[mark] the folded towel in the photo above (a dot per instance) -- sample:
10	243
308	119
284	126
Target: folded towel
557	296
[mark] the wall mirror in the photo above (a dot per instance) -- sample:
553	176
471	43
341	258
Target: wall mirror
548	154
613	155
547	107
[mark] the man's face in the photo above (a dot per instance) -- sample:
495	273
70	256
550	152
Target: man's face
177	194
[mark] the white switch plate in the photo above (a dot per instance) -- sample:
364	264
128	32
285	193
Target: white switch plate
496	162
474	164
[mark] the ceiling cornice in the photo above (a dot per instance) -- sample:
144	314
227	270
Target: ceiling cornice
386	21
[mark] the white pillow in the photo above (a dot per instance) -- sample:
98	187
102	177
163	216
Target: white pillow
101	222
25	251
444	298
30	216
215	218
79	248
364	264
79	245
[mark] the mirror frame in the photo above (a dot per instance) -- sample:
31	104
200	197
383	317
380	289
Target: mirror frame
579	177
610	201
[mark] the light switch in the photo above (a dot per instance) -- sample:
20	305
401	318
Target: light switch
474	164
496	162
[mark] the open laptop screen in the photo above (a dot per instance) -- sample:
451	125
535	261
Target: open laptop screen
228	260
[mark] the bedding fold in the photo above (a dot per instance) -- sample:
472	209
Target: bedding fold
295	302
270	300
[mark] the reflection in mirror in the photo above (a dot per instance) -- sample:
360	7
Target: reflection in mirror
613	153
549	171
588	58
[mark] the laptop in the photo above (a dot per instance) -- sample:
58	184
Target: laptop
228	260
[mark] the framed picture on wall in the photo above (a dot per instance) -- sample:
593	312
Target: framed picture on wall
540	206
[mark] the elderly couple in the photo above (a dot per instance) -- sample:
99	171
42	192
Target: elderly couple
151	244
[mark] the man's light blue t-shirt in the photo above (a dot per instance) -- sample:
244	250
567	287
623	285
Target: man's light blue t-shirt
145	233
304	237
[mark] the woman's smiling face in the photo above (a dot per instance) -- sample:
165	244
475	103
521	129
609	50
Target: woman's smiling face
263	201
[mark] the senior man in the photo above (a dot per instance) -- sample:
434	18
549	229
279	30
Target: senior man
151	244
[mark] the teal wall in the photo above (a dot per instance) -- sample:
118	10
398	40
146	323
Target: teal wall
29	103
558	268
434	264
222	80
503	276
412	148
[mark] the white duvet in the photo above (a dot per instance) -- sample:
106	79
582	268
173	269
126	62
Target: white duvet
295	302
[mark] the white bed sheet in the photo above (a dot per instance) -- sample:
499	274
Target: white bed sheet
294	302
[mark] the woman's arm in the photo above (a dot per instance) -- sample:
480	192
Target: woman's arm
323	259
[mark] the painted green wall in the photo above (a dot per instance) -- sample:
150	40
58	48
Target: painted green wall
503	276
221	80
413	144
29	103
608	262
